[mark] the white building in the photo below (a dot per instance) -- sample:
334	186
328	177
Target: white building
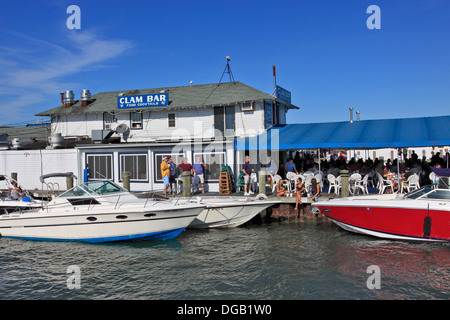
131	130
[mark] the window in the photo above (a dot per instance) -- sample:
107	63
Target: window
136	120
248	106
224	121
108	121
171	120
100	166
213	161
135	164
176	158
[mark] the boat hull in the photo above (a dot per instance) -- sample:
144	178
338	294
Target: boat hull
228	214
402	220
97	226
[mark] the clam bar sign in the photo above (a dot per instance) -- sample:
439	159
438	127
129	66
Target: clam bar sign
143	101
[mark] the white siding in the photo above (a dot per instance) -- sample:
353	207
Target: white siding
193	122
31	164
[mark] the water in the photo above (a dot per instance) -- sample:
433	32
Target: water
289	261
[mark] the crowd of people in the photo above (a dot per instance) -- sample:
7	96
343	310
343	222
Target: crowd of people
303	162
170	171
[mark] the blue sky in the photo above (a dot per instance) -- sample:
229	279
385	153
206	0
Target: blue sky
322	49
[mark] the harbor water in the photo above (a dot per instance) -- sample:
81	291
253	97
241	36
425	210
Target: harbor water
313	260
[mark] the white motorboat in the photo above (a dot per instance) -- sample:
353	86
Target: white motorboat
226	212
100	211
7	204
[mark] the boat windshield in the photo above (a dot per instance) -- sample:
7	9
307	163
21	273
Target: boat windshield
428	192
92	189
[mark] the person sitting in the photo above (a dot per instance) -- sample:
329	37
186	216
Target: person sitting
14	191
300	191
388	175
272	170
314	190
281	189
25	198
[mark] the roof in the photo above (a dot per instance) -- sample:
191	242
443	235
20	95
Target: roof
367	134
217	94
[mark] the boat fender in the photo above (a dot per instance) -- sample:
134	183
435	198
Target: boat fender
261	196
199	199
427	227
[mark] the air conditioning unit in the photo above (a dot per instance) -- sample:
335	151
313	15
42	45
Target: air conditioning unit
248	106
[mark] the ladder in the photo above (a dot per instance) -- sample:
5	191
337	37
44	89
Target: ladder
225	186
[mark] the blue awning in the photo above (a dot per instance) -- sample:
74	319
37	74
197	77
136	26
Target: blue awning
365	134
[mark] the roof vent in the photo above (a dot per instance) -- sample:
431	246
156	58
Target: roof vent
85	97
68	98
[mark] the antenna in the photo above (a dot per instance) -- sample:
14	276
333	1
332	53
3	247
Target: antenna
227	70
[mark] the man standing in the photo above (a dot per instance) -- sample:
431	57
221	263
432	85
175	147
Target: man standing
290	166
172	174
247	169
199	173
185	165
165	172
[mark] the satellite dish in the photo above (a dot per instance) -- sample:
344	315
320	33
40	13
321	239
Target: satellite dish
121	128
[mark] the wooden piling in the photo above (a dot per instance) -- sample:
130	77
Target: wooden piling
187	181
126	180
344	184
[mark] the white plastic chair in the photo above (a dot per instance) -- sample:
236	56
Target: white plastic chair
412	183
276	179
384	184
332	183
291	178
355	183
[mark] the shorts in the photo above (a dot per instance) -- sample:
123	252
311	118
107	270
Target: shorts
248	178
201	177
172	178
166	181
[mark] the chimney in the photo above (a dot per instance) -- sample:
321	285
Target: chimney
62	98
68	98
85	97
351	114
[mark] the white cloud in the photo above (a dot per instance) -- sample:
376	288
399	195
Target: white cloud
35	69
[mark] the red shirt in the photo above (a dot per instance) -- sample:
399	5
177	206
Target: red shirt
185	166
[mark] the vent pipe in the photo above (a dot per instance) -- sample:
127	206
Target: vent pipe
357	115
85	97
68	98
351	114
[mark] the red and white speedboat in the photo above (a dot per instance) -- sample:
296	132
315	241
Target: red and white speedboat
423	214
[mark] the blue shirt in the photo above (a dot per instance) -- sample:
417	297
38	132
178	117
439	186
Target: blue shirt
26	199
172	169
290	167
198	168
272	168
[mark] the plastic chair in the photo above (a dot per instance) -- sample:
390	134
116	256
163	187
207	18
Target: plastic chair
355	183
332	183
412	183
384	184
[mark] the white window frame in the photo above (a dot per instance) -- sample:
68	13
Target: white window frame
122	161
158	165
93	170
201	154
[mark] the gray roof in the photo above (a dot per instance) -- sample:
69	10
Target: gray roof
210	95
